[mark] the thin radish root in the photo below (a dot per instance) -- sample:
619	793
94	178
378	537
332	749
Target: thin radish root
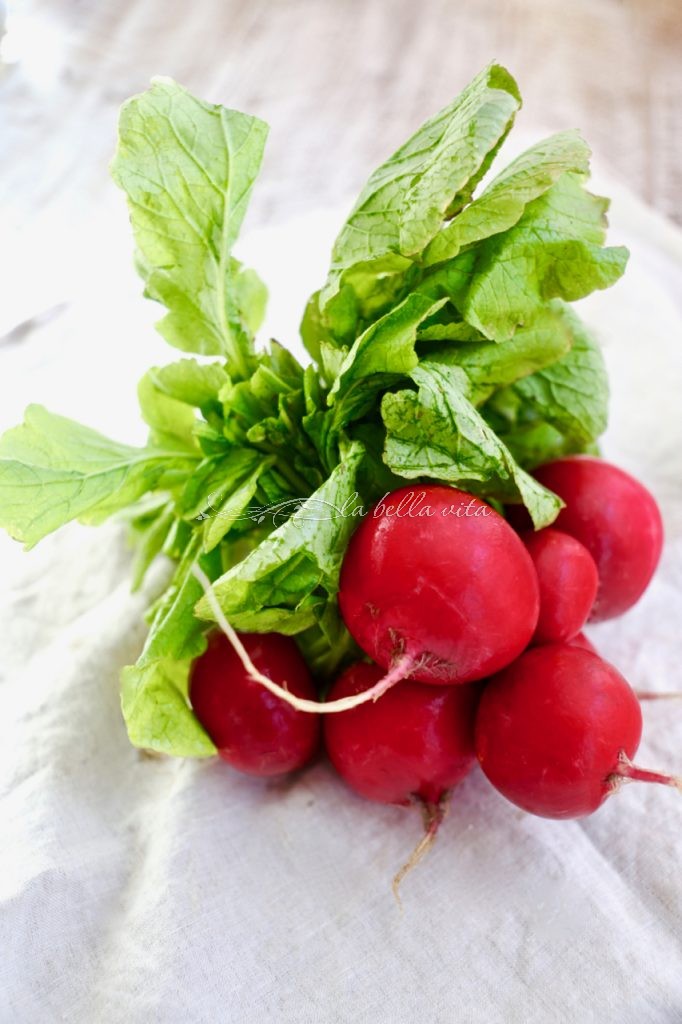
644	695
401	670
433	815
627	771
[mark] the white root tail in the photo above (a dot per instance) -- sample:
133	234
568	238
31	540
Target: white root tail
433	815
401	670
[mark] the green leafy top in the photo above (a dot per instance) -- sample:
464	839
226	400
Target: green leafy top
187	168
433	174
442	349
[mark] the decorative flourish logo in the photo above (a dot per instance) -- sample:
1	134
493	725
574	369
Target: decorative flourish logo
411	505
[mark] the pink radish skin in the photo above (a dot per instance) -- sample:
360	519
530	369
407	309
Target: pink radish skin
617	520
556	731
437	577
416	742
568	581
254	730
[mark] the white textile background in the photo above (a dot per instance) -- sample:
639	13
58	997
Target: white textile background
137	890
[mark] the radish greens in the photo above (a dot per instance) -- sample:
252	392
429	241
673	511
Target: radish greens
441	349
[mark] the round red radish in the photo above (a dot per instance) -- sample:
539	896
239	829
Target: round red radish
437	577
552	729
416	741
254	730
617	520
568	583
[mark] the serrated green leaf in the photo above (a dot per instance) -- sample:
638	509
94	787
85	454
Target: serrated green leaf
188	168
433	174
490	365
53	470
403	206
572	393
438	434
555	251
503	202
157	713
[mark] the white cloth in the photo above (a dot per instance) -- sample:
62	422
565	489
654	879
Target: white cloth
137	890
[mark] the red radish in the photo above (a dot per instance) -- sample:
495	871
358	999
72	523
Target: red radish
416	742
568	584
617	520
580	640
436	577
254	730
556	730
413	745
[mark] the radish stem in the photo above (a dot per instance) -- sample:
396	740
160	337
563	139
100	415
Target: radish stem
399	671
625	769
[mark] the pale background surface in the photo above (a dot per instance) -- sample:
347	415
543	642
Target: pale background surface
341	83
134	891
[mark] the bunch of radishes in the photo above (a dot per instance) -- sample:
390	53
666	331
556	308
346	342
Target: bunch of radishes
473	630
